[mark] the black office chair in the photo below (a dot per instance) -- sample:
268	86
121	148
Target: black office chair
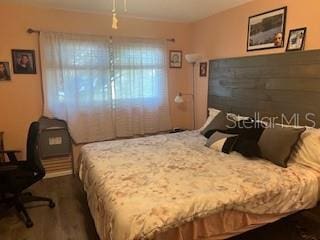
17	176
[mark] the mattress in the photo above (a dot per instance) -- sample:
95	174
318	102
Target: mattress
148	187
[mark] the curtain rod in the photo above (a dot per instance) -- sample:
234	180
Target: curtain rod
30	30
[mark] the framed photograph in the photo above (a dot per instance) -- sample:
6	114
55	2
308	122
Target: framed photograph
175	59
23	61
4	71
296	39
266	30
203	69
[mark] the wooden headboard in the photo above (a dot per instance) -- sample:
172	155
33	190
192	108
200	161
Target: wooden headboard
285	83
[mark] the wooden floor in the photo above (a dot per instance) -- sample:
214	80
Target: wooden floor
71	219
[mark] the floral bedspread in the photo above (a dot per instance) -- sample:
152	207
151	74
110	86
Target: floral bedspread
138	187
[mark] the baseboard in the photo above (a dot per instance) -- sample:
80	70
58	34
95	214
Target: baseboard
58	174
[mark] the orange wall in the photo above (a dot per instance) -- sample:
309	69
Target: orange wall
21	99
219	36
224	35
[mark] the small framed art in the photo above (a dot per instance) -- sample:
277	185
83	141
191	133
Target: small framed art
175	59
23	61
4	71
296	39
203	69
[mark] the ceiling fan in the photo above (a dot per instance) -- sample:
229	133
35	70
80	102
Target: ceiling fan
114	13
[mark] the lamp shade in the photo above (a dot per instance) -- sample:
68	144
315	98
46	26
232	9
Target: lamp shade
178	99
193	57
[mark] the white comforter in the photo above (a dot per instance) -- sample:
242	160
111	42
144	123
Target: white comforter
138	187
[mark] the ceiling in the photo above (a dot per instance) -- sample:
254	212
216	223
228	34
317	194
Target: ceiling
168	10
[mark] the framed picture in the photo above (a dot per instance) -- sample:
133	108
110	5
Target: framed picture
296	39
266	30
4	71
175	59
203	69
23	61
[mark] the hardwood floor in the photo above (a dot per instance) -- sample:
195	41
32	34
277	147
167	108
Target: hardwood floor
71	219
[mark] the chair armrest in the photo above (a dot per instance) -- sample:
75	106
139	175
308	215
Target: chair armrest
4	168
10	170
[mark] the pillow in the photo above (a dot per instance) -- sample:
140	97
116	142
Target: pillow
249	132
218	140
238	117
247	143
212	114
307	151
220	122
277	143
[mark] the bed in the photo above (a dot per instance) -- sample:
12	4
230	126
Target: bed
154	187
173	187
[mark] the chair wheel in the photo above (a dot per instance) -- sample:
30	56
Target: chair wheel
29	224
52	204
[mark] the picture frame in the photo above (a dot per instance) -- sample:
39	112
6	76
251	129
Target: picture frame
203	69
175	59
267	30
23	61
5	71
296	40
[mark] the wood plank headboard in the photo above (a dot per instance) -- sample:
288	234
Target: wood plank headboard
285	83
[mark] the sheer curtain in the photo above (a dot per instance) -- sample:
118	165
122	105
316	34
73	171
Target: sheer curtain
77	84
105	89
140	86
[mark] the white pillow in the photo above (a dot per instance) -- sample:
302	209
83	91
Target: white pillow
212	114
307	151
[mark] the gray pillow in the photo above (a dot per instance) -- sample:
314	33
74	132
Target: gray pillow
220	122
277	143
217	136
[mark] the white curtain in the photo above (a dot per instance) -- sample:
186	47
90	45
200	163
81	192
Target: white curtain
140	84
105	89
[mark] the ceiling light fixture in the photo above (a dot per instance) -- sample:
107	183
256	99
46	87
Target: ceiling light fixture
114	13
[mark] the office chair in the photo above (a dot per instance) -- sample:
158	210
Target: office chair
17	176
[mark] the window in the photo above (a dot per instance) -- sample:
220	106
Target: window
89	80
